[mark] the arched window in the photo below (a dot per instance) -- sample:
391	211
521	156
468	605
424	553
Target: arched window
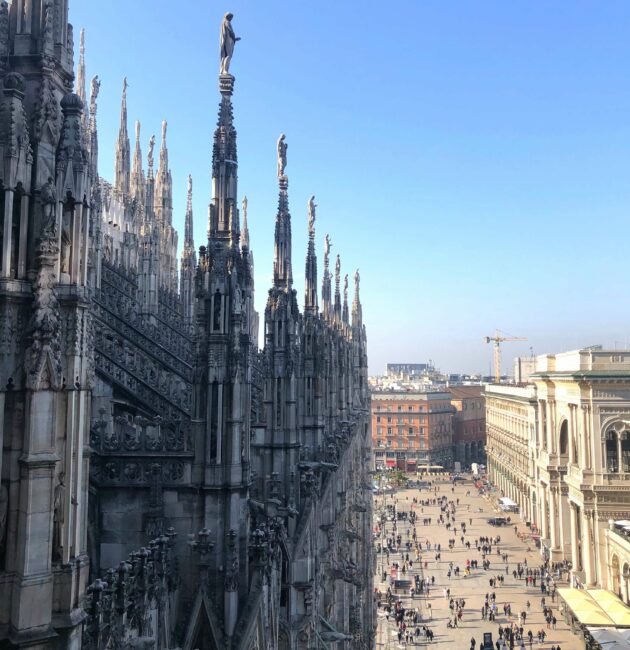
612	451
564	438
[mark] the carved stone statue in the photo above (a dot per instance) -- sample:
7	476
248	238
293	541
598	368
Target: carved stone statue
311	216
282	155
58	518
345	287
66	243
227	39
357	280
48	195
150	154
338	268
95	86
245	208
327	245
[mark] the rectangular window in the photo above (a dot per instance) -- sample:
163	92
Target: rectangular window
379	430
389	431
410	431
378	418
411	407
399	407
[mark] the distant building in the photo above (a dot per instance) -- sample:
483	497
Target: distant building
408	370
560	447
412	429
523	368
469	424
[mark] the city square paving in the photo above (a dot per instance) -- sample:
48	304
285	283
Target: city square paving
472	588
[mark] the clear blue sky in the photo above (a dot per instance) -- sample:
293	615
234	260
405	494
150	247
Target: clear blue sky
472	158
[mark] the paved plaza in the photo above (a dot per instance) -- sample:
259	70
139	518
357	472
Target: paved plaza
472	588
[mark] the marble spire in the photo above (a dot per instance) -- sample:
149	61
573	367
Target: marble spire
344	309
282	272
310	292
123	149
189	243
137	182
81	81
337	305
326	288
357	312
245	228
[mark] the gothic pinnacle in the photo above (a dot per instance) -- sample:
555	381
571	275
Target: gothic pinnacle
310	297
123	162
188	230
282	272
245	228
81	80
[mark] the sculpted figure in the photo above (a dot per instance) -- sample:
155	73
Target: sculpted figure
227	39
311	216
327	245
357	280
245	208
95	86
150	154
58	518
345	287
66	243
282	155
48	195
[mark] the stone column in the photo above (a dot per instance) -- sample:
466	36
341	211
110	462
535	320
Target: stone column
574	537
543	501
21	266
5	270
587	547
553	518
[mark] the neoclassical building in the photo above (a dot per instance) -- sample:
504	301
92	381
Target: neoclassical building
164	482
577	474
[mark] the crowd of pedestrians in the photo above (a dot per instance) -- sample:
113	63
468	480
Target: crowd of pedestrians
412	558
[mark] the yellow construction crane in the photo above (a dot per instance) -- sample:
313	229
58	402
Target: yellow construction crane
497	340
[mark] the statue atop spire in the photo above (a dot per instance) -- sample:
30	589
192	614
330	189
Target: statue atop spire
123	152
311	217
282	273
227	39
95	86
150	154
310	295
282	147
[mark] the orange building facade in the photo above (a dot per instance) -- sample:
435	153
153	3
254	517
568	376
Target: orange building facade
469	424
411	430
